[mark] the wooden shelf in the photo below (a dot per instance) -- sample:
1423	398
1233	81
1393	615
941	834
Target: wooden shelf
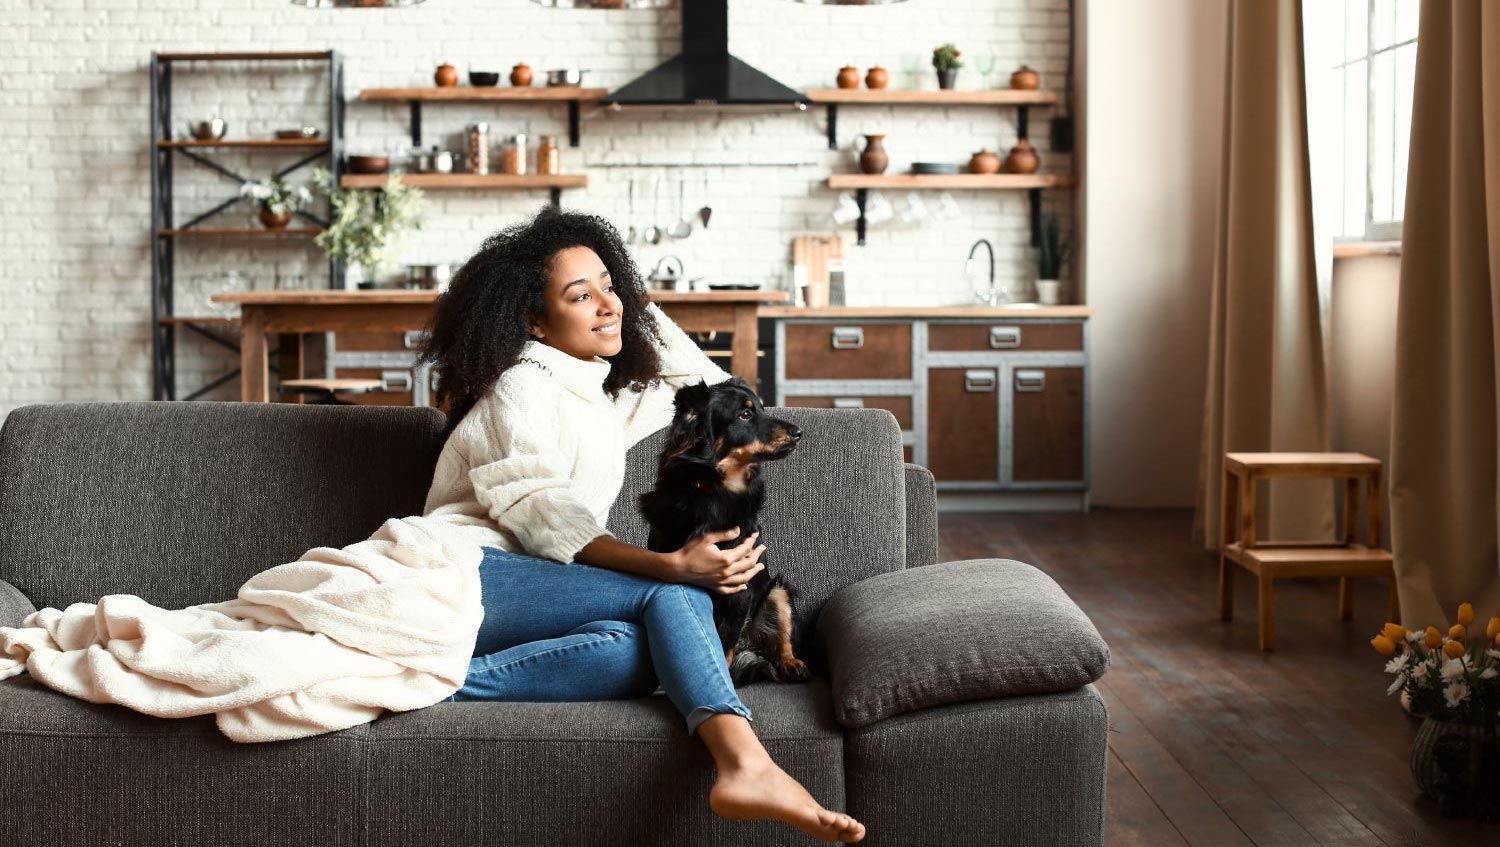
243	230
198	319
477	93
940	97
975	181
491	181
247	142
235	57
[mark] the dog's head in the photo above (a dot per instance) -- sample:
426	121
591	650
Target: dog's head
725	427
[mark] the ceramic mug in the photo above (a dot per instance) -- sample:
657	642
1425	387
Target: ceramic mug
915	211
847	211
879	210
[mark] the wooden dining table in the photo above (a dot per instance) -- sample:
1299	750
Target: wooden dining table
293	314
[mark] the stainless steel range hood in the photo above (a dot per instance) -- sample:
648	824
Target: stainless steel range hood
704	74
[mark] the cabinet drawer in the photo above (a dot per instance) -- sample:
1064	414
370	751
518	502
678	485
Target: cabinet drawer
1002	335
1047	424
963	424
899	406
848	350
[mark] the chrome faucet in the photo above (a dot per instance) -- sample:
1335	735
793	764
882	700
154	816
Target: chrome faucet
993	297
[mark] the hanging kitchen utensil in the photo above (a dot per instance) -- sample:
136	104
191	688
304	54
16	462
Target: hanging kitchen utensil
653	232
684	226
630	232
705	212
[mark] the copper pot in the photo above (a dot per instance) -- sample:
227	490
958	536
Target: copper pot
446	75
1025	79
848	77
877	77
520	75
984	162
1022	159
271	220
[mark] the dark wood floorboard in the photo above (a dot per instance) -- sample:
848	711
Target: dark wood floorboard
1213	742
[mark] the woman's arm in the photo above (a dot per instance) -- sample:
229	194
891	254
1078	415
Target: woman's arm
606	551
700	562
682	360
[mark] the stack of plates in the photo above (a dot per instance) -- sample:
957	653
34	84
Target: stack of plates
934	168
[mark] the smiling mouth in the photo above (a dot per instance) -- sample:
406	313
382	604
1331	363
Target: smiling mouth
612	328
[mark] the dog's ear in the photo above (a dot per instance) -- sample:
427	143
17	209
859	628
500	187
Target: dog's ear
692	436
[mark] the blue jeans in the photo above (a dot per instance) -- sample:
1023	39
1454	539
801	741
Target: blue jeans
554	632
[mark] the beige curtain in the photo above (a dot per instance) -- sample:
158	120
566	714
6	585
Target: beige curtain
1266	388
1443	432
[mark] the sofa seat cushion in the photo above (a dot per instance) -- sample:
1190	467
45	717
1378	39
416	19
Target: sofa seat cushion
954	632
145	776
606	772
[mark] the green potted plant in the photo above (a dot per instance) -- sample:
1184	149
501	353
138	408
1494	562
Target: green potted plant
1050	255
945	59
365	224
278	200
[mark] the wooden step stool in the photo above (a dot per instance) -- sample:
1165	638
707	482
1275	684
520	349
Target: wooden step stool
325	391
1270	561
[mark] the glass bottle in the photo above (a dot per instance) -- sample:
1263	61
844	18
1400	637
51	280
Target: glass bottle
548	156
513	155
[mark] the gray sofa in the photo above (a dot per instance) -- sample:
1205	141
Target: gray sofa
951	703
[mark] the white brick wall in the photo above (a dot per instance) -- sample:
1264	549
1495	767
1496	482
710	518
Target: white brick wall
74	93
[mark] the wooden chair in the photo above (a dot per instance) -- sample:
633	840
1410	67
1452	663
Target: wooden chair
1270	560
324	391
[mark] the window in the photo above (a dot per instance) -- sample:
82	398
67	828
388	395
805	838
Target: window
1375	72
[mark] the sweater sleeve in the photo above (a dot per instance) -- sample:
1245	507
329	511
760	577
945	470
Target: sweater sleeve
682	360
521	476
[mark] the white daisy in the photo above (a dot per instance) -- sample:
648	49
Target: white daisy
1456	693
1419	673
1453	669
1396	686
1395	664
1489	673
1414	637
1492	653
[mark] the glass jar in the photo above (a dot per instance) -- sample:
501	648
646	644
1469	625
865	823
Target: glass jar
478	161
548	156
513	155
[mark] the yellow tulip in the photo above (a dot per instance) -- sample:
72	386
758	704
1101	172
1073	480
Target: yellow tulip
1384	646
1497	639
1465	614
1434	638
1453	649
1493	629
1456	632
1396	632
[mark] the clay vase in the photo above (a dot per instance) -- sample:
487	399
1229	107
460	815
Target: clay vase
1025	79
877	77
271	220
520	75
1022	159
446	76
848	77
873	160
984	162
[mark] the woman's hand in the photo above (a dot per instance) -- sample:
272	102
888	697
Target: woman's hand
700	562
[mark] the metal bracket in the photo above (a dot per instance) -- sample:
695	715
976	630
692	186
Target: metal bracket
1022	115
1036	217
572	123
860	196
833	126
556	197
416	123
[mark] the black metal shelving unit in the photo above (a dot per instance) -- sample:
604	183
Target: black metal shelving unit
164	230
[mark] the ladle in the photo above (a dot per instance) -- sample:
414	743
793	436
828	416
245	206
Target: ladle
684	226
653	232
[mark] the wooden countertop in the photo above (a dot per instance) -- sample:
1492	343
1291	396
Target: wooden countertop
851	312
333	296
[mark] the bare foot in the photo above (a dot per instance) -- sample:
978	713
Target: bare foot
764	790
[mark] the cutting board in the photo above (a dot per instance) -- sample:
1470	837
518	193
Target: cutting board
818	270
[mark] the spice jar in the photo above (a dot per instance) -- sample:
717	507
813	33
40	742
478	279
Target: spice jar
548	156
513	155
478	161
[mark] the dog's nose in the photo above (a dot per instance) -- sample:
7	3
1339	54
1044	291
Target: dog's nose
793	431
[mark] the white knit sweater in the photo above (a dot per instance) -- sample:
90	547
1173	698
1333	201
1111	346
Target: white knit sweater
536	465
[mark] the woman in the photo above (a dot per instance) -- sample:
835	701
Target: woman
553	364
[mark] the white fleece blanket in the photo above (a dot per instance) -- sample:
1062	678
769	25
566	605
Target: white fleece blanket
320	644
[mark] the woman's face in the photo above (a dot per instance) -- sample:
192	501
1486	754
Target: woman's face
581	314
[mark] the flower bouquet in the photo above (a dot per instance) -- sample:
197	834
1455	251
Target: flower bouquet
1452	682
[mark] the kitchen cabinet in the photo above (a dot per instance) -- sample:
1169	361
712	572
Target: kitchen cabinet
993	400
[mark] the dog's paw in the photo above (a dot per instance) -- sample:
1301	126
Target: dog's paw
793	670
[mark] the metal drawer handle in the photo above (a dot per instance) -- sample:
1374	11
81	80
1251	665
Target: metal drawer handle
413	339
395	380
1005	337
979	380
848	337
1031	380
848	403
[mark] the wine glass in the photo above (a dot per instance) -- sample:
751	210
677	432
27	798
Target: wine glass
985	64
911	65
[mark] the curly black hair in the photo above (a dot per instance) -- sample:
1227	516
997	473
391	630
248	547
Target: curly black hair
481	323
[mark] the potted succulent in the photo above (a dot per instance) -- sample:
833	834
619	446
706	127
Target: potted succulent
945	60
365	225
278	200
1451	682
1050	255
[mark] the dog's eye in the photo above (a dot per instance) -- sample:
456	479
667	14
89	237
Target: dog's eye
746	415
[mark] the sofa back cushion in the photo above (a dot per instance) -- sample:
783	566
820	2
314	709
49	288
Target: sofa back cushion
835	510
181	502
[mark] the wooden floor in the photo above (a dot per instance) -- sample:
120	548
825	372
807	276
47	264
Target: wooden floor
1212	742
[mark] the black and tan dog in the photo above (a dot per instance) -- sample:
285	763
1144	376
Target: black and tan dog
708	481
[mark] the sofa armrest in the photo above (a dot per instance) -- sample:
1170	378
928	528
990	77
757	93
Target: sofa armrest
14	607
921	516
953	632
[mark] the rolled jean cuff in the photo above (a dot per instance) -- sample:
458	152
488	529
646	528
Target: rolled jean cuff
702	713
